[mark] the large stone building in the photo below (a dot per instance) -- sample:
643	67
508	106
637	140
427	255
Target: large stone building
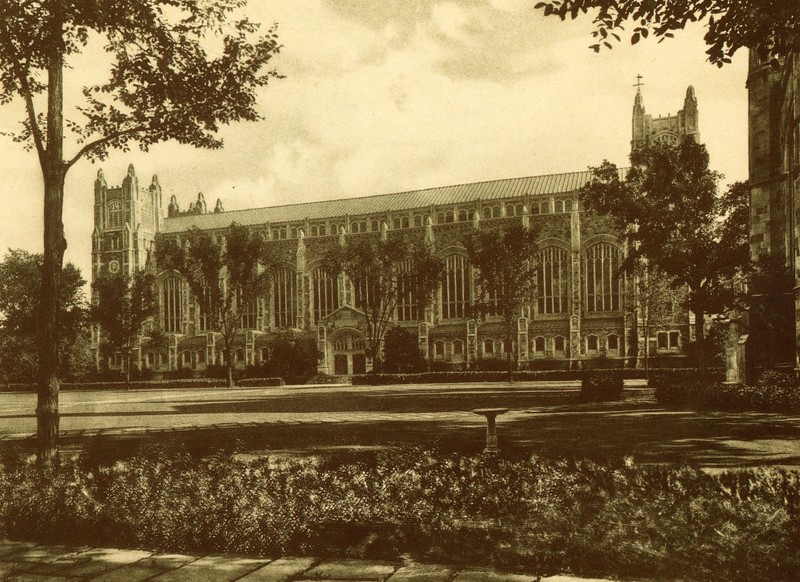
774	175
583	310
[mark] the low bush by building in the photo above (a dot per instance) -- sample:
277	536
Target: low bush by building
774	392
149	385
537	516
444	377
601	385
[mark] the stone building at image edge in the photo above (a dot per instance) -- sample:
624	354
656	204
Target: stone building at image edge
583	309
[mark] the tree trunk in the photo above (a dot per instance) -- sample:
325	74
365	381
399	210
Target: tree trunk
647	354
229	365
510	353
127	368
53	171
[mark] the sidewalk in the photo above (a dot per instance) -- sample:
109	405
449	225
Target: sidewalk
23	562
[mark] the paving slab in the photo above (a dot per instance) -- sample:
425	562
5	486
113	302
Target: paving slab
25	577
129	573
168	561
101	560
350	570
214	567
44	554
9	568
486	575
280	570
8	547
422	573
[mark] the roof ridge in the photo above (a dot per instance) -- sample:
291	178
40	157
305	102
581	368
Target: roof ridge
396	193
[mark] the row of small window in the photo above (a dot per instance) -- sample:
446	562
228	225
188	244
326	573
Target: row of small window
490	347
418	220
191	359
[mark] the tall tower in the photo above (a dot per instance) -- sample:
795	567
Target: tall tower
664	129
126	220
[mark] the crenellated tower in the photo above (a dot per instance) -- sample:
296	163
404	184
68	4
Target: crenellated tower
664	129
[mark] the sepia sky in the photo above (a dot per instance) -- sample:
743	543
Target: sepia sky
383	97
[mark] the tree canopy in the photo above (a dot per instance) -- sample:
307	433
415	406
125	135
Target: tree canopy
225	278
769	27
179	70
20	277
670	211
506	273
383	272
123	304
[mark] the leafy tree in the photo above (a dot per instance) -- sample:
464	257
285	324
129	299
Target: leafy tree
401	352
226	279
180	69
292	356
771	28
123	304
655	296
506	276
671	214
20	280
382	271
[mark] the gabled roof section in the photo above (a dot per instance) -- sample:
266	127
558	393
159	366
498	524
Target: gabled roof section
382	203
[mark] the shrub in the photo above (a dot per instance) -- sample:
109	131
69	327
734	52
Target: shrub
477	376
260	382
401	353
601	385
610	520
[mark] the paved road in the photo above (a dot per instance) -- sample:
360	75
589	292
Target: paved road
30	562
544	419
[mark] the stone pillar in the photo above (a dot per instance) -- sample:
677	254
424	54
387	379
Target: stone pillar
575	285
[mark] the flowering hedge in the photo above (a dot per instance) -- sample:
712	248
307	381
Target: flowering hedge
537	516
478	376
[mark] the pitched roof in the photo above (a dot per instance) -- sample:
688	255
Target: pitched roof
381	203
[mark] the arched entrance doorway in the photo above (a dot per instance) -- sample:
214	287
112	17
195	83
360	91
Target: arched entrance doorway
349	356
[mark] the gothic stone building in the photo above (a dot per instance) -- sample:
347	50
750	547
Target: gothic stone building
774	174
583	309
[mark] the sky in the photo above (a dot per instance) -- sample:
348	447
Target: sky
383	97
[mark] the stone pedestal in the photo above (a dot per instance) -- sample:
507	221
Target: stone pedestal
491	431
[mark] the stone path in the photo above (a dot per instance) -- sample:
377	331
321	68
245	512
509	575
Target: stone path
29	562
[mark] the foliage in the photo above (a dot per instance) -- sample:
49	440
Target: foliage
656	298
383	271
445	377
20	280
612	520
774	392
179	70
123	303
770	28
292	356
225	279
672	216
601	385
401	352
506	276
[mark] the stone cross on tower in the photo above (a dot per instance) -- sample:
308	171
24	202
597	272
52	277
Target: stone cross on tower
638	83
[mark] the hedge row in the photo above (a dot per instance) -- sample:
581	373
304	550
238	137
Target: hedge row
536	516
522	376
774	392
601	385
148	384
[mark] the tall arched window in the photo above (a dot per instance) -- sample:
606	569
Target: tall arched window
552	280
602	282
326	292
284	291
114	214
455	287
248	311
171	302
407	303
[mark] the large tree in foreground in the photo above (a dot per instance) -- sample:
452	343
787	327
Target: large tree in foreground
386	271
771	27
506	276
179	69
670	211
122	305
225	278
